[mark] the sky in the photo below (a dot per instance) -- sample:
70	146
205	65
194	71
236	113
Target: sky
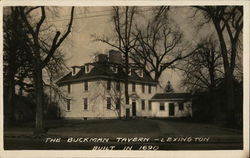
80	47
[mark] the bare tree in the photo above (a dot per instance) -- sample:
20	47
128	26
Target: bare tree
228	23
114	96
203	68
158	45
16	57
39	49
203	71
123	21
54	69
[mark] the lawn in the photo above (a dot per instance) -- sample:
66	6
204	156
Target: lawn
20	137
194	129
131	127
101	128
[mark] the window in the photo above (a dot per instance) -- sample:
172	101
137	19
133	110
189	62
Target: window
118	86
86	68
108	103
141	73
149	88
85	103
68	105
143	88
86	86
69	88
129	71
149	105
181	107
162	107
73	70
142	104
133	87
117	103
108	85
115	69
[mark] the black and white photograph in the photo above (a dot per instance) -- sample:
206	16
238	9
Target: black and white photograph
123	77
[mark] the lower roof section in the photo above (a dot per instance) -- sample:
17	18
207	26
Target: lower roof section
171	96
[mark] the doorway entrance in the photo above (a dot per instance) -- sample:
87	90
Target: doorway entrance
133	108
127	112
171	109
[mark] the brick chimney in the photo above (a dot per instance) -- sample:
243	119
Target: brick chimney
101	58
115	57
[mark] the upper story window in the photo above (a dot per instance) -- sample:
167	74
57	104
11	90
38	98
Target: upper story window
118	86
162	106
149	105
117	103
181	106
68	107
108	103
85	103
142	104
86	68
149	89
86	86
133	87
143	88
108	85
69	88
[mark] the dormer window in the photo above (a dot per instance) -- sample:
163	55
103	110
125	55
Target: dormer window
86	68
129	72
141	73
115	69
73	71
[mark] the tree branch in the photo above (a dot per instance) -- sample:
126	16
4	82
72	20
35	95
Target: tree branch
56	43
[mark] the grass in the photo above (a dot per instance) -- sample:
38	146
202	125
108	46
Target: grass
131	127
221	138
198	128
112	126
108	128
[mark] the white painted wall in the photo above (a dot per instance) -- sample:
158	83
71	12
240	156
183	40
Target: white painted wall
156	112
97	104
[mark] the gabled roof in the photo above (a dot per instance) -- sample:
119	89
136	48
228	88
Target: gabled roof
103	71
170	96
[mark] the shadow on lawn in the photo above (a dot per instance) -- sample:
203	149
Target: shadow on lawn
140	126
106	126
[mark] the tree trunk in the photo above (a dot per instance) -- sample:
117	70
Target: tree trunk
228	74
39	127
157	76
10	88
9	103
230	99
126	78
214	109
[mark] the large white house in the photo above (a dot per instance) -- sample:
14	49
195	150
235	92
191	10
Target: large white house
97	90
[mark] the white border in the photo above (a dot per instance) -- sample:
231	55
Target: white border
173	154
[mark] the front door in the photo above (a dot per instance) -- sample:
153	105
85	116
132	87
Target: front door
127	112
171	109
134	108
